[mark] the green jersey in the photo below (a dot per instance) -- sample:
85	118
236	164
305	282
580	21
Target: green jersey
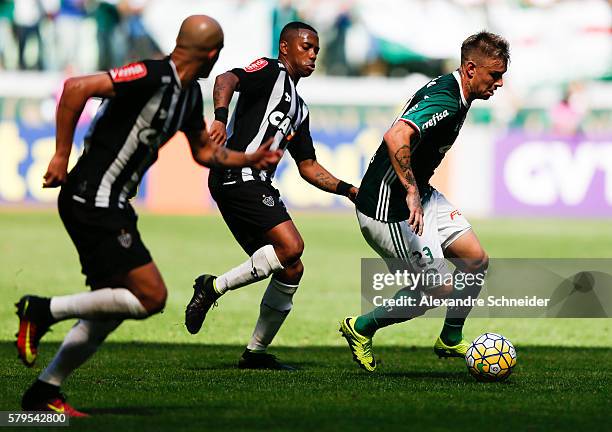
436	112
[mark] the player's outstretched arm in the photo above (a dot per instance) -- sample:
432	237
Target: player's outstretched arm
74	96
315	174
225	85
398	145
206	153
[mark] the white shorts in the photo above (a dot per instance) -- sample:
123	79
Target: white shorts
443	224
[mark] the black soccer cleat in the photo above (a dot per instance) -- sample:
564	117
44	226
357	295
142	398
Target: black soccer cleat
204	297
255	360
46	397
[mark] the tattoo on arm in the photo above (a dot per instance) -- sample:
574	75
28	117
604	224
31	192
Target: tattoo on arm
218	92
219	157
402	156
223	90
325	182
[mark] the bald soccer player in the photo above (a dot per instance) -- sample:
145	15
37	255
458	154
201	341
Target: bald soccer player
144	105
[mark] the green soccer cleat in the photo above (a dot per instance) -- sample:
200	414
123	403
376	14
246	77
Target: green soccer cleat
361	346
443	350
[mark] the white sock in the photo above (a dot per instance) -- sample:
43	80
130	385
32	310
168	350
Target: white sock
80	343
106	303
275	305
259	266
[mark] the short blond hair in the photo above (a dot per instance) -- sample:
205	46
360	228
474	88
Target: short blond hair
485	44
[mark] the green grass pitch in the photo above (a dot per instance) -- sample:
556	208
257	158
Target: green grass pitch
153	375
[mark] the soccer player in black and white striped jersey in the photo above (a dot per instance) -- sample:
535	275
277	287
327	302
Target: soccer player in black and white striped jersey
269	107
145	104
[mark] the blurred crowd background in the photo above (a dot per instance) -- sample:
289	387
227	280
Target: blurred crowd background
73	35
374	54
558	46
360	37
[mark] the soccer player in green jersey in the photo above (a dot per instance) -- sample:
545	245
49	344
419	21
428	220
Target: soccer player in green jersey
401	216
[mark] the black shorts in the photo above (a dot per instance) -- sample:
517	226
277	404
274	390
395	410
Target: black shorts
250	209
107	240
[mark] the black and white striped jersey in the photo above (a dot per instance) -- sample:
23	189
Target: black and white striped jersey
268	106
123	140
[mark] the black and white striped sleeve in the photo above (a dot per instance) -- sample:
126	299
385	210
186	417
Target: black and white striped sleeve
135	78
256	76
301	147
194	122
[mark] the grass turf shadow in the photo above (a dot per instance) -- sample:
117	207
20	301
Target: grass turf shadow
127	386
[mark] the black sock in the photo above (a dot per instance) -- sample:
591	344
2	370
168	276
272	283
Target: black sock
40	308
39	391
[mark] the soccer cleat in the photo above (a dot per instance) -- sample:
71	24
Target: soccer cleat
261	360
31	329
204	297
361	346
53	403
443	350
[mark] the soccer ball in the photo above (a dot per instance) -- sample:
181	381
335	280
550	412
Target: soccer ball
491	357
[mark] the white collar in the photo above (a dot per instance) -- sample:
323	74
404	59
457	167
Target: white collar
176	75
458	78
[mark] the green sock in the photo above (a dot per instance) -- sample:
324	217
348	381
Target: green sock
380	317
367	324
452	331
